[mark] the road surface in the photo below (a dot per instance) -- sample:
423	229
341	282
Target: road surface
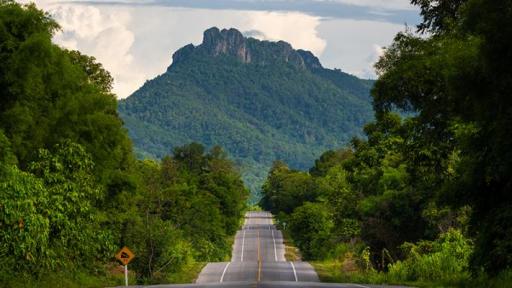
258	256
258	261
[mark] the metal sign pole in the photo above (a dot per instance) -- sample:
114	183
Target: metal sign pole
126	275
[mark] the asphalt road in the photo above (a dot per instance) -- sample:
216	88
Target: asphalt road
258	256
276	284
258	261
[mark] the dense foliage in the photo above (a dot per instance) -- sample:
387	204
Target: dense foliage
440	178
258	111
186	209
71	191
460	89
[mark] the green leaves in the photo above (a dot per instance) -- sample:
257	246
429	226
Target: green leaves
50	94
71	192
310	225
286	189
50	210
258	112
185	209
445	260
24	230
457	82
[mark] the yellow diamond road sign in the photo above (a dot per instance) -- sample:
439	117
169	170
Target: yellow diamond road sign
125	255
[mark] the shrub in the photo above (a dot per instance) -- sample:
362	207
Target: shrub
444	260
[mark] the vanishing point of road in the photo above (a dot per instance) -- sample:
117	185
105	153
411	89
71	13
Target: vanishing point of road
258	261
258	257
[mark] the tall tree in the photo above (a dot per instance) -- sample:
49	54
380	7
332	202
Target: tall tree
49	94
457	83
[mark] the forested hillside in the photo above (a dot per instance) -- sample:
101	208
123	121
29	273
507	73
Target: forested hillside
72	192
260	100
424	199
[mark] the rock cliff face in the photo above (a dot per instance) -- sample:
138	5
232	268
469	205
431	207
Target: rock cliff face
231	42
226	42
310	60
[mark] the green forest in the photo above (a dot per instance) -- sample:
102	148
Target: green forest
421	197
268	109
425	199
72	191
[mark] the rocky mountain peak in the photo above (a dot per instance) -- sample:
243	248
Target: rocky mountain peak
226	42
310	60
231	42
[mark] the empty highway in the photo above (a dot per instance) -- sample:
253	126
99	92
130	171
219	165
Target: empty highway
258	261
258	256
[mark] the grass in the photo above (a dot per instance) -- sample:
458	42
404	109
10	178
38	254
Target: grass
291	253
111	277
332	271
66	280
188	275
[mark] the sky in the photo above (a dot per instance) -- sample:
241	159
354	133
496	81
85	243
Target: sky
135	40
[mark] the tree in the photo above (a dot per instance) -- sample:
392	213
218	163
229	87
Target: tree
457	83
286	189
438	15
328	160
338	195
49	94
311	225
51	209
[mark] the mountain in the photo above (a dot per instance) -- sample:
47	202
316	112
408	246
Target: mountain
259	100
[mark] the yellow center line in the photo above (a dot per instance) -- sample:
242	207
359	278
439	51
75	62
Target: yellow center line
259	258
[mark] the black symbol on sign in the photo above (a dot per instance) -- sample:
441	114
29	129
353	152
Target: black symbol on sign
124	255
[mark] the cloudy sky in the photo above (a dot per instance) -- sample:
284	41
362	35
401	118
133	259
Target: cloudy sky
136	39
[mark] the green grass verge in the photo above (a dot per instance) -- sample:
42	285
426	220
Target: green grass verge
188	275
336	272
64	280
113	276
332	271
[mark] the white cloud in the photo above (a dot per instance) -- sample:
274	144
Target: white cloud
381	4
355	45
135	43
375	54
296	28
101	34
104	36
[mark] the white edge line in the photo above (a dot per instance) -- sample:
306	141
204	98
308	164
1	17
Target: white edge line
275	249
224	272
243	244
294	272
362	286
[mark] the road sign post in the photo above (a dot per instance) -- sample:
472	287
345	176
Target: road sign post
125	256
125	275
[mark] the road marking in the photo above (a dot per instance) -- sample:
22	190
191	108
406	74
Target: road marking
361	286
259	271
243	244
259	255
275	249
259	258
224	272
294	272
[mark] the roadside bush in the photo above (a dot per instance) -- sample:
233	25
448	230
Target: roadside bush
161	250
444	260
483	280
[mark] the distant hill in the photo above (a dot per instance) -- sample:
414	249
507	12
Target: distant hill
260	100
